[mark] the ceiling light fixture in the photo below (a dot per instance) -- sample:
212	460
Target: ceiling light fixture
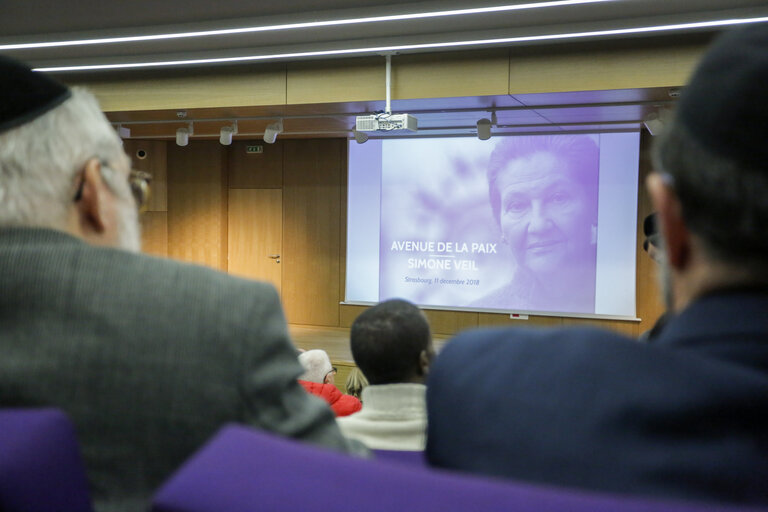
272	130
298	26
484	126
183	133
484	129
655	122
123	131
360	137
226	133
424	46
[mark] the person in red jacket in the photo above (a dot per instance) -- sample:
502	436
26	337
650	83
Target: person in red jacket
318	379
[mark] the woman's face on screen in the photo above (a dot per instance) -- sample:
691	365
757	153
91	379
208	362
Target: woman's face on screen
545	213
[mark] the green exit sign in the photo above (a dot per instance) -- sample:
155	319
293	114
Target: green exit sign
254	149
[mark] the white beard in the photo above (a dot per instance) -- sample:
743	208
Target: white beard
128	226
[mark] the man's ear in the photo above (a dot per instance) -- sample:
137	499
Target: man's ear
91	196
425	358
673	229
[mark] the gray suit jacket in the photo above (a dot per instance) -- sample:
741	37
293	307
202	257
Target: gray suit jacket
148	357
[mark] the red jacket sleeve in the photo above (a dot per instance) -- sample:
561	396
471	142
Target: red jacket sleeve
342	405
346	405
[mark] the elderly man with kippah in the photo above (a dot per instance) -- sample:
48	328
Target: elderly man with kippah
685	417
149	357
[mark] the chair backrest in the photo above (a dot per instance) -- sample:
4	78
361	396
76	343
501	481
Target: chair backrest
40	465
414	458
242	470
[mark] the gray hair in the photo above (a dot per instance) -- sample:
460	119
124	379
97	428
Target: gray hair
316	365
579	151
39	161
723	201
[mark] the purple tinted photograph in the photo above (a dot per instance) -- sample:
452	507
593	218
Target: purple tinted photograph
504	224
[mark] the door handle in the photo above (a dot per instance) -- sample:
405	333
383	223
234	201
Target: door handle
274	256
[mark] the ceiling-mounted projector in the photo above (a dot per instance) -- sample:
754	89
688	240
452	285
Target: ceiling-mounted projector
386	123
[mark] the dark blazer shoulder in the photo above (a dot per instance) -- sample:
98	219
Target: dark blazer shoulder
508	341
562	406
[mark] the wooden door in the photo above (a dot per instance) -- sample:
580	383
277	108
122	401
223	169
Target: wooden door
197	209
312	196
255	234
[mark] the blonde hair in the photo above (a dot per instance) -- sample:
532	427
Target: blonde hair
356	381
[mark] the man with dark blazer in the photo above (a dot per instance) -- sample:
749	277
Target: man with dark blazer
148	357
687	416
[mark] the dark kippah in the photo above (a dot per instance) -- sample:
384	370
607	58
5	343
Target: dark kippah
725	106
25	94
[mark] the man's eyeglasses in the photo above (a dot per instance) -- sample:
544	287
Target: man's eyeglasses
333	371
138	182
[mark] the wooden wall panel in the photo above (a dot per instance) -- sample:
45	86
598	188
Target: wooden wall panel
588	67
555	68
255	233
169	89
343	229
311	230
499	320
347	314
450	322
154	233
155	162
341	80
483	73
256	170
197	203
413	76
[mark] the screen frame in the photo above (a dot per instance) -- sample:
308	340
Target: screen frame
515	313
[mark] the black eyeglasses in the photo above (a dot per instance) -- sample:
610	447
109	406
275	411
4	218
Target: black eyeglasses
138	181
333	370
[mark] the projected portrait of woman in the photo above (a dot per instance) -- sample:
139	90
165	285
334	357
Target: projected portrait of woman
543	193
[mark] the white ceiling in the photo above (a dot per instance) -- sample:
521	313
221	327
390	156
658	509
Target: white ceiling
36	21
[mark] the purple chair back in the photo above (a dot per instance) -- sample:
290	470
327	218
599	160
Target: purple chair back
401	457
40	465
242	470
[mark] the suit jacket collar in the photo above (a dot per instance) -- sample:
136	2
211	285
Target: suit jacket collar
728	324
15	235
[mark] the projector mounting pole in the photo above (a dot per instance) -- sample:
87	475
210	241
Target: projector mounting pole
386	121
388	108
